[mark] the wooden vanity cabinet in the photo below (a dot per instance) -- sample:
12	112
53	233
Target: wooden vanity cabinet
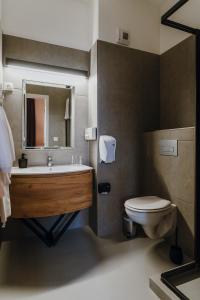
35	196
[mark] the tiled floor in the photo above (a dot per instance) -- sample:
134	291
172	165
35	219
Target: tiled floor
81	267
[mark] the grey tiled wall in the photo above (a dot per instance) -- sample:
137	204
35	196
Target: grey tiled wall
178	85
173	178
21	50
128	104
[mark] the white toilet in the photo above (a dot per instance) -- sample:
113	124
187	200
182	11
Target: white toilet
156	215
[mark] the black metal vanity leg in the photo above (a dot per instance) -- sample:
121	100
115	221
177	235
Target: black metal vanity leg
66	226
42	237
47	236
59	219
50	233
40	226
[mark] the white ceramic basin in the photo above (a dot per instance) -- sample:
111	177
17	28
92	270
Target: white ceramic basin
37	170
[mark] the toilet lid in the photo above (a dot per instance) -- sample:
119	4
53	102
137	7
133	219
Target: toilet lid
147	203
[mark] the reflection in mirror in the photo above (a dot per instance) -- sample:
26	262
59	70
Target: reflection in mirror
47	115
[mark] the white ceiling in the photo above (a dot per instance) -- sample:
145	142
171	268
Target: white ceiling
156	2
188	14
60	22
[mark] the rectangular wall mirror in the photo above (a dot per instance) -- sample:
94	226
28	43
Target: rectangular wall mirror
47	116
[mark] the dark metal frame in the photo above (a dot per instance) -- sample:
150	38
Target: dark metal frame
52	236
193	267
165	19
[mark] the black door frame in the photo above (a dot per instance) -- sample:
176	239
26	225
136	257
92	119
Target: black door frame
193	267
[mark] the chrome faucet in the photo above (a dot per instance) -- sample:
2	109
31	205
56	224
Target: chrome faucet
49	161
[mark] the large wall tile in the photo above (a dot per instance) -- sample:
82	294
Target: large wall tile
178	85
45	54
128	104
173	178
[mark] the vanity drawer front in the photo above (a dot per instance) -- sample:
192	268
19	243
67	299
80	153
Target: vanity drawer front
50	195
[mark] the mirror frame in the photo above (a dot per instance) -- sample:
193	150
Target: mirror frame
43	83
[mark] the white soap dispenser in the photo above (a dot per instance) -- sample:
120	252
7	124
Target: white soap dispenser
107	149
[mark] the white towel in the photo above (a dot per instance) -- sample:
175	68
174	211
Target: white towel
7	156
67	112
7	151
5	207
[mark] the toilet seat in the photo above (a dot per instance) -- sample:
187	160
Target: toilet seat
157	216
147	204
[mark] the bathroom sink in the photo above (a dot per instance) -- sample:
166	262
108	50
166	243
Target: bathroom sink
59	169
